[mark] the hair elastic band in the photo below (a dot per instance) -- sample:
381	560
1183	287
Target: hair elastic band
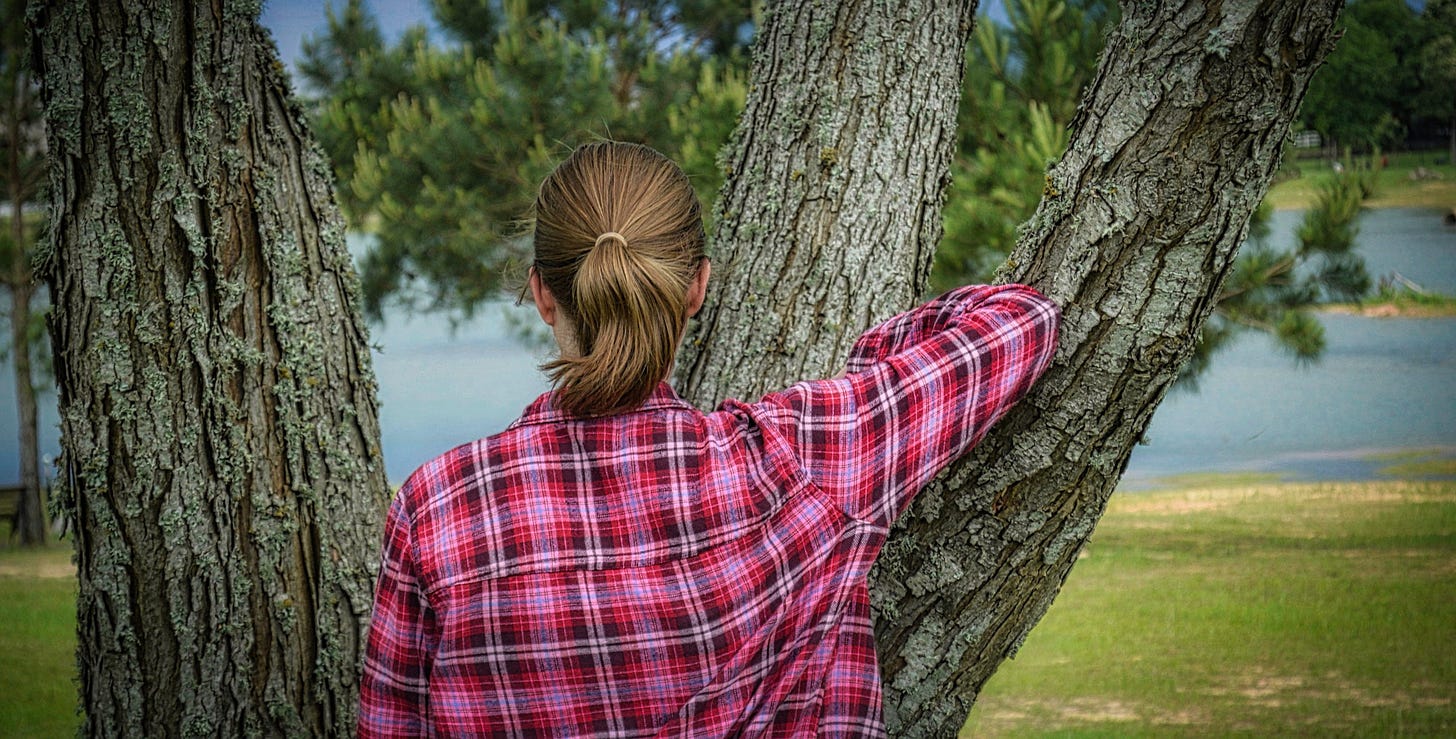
610	235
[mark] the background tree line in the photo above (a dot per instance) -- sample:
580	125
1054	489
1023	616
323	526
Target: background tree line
1393	76
437	145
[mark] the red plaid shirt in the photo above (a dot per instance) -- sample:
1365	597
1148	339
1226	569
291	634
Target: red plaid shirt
666	572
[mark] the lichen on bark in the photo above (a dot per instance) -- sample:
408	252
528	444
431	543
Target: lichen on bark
220	444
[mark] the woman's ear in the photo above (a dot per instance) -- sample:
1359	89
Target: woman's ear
541	295
698	288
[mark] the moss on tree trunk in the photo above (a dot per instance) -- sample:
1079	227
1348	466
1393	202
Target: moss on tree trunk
221	450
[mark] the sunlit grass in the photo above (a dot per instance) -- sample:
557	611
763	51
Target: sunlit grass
1394	187
37	641
1227	607
1312	609
1420	464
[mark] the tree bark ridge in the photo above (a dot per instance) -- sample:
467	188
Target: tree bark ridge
1172	149
859	100
221	449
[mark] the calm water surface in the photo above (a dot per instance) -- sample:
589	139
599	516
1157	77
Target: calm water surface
1382	385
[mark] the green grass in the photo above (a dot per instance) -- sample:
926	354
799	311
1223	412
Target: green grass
1230	607
37	642
1300	180
1417	463
1399	301
1313	610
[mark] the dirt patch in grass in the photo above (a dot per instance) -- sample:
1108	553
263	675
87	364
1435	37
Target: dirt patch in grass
45	563
42	569
1076	711
1391	310
1269	690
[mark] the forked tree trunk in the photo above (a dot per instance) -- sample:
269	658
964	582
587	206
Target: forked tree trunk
221	450
830	214
1174	146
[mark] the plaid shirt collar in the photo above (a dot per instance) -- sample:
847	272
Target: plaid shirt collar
544	410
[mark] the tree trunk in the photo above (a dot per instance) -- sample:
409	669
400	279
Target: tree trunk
1451	143
21	189
221	450
30	514
830	213
1173	147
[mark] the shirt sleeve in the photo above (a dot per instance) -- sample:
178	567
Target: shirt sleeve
919	391
394	688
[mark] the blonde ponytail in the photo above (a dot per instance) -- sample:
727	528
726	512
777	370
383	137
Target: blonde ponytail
618	239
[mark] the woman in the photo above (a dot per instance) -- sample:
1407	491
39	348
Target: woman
617	563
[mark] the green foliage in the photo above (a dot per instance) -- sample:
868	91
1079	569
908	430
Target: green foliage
438	149
1329	225
1023	82
1363	94
1436	68
1022	85
22	176
1275	291
1327	236
22	133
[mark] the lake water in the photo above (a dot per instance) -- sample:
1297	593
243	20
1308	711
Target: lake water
1383	385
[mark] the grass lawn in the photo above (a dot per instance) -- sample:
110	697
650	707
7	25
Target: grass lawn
37	642
1393	189
1229	606
1253	610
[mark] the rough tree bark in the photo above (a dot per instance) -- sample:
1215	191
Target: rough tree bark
221	450
1173	148
830	212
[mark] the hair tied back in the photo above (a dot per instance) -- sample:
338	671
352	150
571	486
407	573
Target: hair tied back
611	235
627	304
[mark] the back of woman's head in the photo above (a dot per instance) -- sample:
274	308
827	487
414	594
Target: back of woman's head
618	240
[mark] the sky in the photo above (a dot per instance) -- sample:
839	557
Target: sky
293	20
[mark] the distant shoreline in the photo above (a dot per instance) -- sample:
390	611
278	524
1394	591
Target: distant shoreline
1416	463
1392	309
1409	180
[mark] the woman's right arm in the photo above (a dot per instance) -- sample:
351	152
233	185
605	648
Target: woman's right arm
921	389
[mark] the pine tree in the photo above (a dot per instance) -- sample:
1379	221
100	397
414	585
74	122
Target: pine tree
438	147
